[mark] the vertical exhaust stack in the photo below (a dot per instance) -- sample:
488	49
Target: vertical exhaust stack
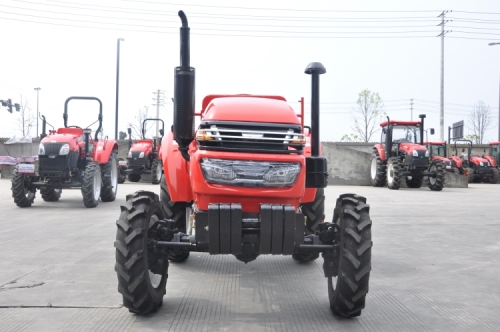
44	128
316	166
422	117
184	103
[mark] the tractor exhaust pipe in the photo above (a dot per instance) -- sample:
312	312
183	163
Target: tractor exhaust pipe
44	128
422	117
184	102
315	69
316	167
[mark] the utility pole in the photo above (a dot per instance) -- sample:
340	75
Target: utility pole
411	109
442	34
37	112
117	83
492	44
159	102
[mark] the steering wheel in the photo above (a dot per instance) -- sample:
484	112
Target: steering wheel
74	127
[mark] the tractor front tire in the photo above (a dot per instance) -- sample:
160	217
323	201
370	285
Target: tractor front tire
50	194
437	183
134	177
156	171
23	196
91	185
109	179
177	212
347	291
415	181
393	173
377	170
142	290
494	177
470	176
314	213
122	176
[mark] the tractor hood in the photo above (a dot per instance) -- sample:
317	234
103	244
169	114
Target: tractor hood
143	145
479	161
73	136
410	147
250	109
443	159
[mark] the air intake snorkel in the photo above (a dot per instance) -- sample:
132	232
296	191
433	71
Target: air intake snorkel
184	103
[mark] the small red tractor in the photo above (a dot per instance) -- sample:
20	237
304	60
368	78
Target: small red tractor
69	159
494	155
402	154
144	156
437	151
478	169
248	182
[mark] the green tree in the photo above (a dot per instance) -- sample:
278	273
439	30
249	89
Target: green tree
367	115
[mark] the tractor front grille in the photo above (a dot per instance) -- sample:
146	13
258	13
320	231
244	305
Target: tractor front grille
52	149
251	137
135	162
57	166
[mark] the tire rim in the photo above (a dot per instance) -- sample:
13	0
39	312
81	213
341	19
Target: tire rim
432	180
158	171
97	184
155	279
114	176
390	173
374	168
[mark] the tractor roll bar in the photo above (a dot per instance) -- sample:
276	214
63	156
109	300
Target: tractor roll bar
65	115
469	147
152	119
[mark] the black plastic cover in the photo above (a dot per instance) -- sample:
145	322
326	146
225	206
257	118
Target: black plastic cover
316	172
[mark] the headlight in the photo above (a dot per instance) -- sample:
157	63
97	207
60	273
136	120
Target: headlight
41	149
415	153
427	153
64	149
250	173
141	155
129	154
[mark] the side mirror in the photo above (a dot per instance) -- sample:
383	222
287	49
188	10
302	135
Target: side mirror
162	132
463	150
484	150
129	131
432	131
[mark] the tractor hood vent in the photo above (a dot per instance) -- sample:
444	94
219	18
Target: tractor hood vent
250	137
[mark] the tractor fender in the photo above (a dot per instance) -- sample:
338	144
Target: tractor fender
381	151
457	161
491	160
175	168
104	149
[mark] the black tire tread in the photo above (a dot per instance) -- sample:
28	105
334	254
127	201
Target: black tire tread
416	181
88	185
131	255
50	194
348	298
108	194
18	190
134	177
440	175
396	173
380	179
154	166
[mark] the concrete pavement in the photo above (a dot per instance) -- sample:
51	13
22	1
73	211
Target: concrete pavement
435	268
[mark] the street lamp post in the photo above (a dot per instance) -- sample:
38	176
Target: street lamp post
491	44
117	83
37	112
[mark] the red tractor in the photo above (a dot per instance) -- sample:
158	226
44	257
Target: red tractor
494	155
437	151
69	159
477	168
402	154
248	182
144	156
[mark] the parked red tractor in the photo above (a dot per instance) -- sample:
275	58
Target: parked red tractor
438	151
68	159
402	153
248	182
144	156
494	155
477	168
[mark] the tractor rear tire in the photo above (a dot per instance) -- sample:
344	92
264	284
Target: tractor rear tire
156	171
348	292
416	181
50	194
377	170
470	176
91	185
314	213
177	212
23	196
494	177
121	174
134	177
109	179
437	183
393	173
141	289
